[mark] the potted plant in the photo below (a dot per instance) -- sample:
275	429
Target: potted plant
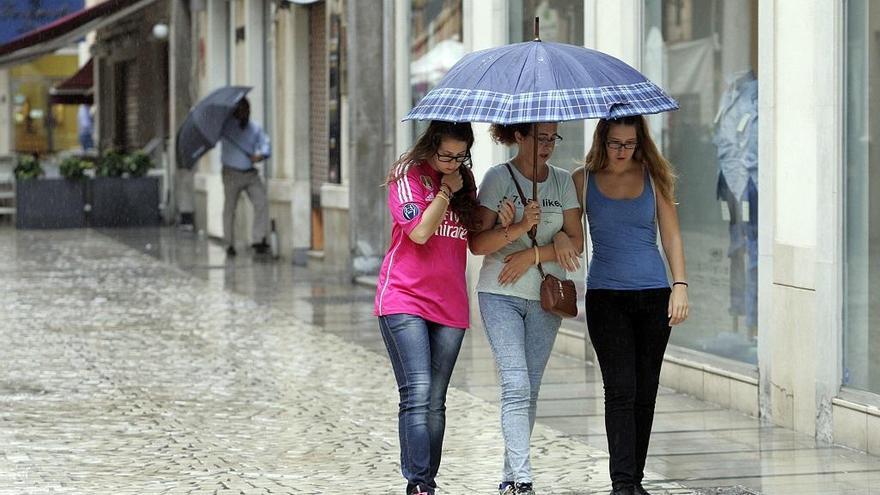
74	168
28	167
42	203
121	193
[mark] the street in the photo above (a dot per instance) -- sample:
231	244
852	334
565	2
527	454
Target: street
142	361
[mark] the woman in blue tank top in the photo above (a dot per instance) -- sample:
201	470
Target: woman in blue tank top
627	190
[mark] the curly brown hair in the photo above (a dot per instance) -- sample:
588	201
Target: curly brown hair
464	203
506	133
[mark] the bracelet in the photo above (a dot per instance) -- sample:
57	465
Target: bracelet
537	255
507	234
448	189
442	195
679	283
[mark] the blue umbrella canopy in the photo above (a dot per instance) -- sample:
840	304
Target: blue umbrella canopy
538	81
202	128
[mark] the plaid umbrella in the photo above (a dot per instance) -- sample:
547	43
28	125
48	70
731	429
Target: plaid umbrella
537	81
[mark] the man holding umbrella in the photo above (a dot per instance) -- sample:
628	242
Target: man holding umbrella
244	143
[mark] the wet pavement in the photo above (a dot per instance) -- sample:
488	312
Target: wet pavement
145	361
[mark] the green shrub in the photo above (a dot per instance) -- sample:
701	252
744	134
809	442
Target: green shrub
138	163
27	167
74	168
111	164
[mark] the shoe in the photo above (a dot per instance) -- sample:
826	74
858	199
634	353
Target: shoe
524	489
230	251
626	490
418	490
186	222
639	490
261	247
506	488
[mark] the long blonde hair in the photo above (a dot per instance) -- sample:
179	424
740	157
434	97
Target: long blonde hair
646	152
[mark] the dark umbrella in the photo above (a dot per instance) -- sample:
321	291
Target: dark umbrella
202	128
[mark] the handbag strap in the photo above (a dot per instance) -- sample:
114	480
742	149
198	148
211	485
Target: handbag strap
522	199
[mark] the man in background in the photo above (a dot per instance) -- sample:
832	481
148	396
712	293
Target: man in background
244	144
85	125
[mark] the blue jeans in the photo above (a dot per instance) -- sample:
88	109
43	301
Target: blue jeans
423	354
743	253
86	141
521	335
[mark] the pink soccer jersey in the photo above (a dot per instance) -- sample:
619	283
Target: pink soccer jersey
426	280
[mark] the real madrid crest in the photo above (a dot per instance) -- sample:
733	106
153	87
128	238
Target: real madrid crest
427	182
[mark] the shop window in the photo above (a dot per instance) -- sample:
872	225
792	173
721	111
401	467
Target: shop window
704	53
862	275
435	46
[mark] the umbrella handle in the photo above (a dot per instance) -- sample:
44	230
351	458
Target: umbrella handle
535	162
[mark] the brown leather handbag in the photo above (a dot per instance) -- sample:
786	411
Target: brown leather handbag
557	296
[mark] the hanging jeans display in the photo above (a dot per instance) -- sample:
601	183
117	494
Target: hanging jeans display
742	251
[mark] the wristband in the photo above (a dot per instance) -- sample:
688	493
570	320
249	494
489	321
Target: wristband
679	283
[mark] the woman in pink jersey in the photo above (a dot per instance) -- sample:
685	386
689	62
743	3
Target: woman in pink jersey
421	298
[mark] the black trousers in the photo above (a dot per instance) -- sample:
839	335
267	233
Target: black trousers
629	330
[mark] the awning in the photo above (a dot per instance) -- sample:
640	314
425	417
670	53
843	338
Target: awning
66	30
75	90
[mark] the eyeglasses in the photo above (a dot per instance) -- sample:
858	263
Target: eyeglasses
614	145
549	141
466	158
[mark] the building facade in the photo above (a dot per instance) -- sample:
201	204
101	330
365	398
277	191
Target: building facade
776	99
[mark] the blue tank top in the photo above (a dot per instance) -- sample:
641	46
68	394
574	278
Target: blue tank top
624	237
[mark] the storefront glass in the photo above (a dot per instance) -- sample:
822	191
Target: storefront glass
435	46
39	126
704	53
862	298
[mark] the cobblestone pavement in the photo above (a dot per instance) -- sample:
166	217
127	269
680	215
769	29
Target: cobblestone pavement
120	374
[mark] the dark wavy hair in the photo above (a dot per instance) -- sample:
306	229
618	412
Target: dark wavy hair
463	203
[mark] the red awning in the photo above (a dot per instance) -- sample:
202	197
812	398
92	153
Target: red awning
75	90
66	30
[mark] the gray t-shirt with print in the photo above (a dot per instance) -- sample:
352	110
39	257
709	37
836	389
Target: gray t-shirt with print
556	195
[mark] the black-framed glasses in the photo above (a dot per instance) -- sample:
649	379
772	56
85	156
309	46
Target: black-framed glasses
614	145
466	158
549	141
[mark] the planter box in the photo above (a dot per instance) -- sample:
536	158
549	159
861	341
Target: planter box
125	202
50	204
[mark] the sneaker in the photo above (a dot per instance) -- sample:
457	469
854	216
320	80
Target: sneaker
230	251
524	489
418	490
506	488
